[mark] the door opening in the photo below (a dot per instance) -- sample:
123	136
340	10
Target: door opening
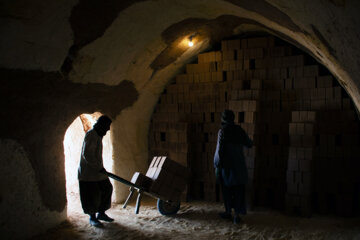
73	141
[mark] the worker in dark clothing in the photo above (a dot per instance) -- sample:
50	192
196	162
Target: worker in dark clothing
95	187
230	166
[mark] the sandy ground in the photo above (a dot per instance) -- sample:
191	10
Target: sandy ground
199	220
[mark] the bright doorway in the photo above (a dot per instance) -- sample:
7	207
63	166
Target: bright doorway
73	141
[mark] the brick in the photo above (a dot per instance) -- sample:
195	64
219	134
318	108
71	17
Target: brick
305	165
229	75
228	55
293	165
300	128
240	55
239	65
295	140
250	117
201	57
255	84
151	172
288	83
308	129
325	81
261	63
233	44
279	51
218	56
337	93
308	141
246	64
300	153
295	116
311	71
259	42
224	45
141	180
292	129
243	43
292	153
292	200
253	106
292	188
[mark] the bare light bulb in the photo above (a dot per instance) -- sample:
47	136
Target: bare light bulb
191	43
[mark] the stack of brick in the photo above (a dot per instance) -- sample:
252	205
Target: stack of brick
208	97
300	168
266	66
336	179
141	180
271	160
210	131
277	80
246	115
171	139
169	178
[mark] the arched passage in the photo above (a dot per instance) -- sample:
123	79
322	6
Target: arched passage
304	125
73	141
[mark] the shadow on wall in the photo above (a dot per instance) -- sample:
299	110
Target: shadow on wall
21	207
73	141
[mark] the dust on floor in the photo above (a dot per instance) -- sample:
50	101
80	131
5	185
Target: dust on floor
200	220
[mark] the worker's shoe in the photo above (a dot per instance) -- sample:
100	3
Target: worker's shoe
104	217
225	215
237	219
94	222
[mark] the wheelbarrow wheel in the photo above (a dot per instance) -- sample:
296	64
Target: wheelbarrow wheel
166	208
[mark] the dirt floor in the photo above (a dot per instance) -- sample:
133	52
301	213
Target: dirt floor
199	220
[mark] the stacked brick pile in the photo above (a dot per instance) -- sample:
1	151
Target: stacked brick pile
336	178
263	80
169	137
300	169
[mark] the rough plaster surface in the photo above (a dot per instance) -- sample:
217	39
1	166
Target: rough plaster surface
108	58
73	139
35	34
87	12
21	208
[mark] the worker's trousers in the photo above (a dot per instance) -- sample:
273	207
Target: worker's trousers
234	197
95	196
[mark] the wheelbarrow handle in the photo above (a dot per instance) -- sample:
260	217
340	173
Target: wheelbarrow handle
122	180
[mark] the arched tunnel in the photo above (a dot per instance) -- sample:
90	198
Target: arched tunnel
126	59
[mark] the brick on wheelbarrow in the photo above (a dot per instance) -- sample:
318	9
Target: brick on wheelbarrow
169	178
161	180
173	167
155	161
141	180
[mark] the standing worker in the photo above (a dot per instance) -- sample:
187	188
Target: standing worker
95	186
230	166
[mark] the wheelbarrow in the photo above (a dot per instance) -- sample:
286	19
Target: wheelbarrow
164	206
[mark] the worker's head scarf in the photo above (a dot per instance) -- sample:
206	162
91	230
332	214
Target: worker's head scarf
102	125
227	117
